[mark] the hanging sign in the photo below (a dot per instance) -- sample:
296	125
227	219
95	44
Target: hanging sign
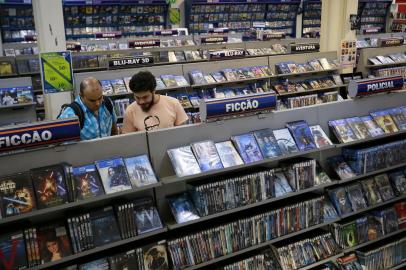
215	39
390	42
217	109
125	62
226	54
304	48
144	43
39	134
369	87
57	73
109	35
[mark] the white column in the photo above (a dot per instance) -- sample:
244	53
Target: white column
50	28
299	25
335	23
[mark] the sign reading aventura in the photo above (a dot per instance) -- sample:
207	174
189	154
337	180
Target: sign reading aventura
304	48
373	86
37	134
224	108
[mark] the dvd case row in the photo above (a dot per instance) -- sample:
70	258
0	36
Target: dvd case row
243	233
254	146
50	243
247	189
401	71
364	160
389	59
292	86
378	123
61	183
263	261
286	103
310	66
366	193
227	8
384	257
198	77
307	252
16	95
366	228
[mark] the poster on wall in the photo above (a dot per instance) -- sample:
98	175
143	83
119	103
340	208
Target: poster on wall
57	73
348	53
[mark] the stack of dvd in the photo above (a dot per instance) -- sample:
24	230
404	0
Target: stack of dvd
243	233
391	72
149	257
308	251
377	123
384	257
138	217
366	228
293	86
16	95
252	147
349	262
368	192
198	77
93	229
369	159
120	105
265	260
301	175
313	65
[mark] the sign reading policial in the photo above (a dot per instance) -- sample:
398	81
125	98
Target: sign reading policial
304	48
39	134
226	54
144	43
210	40
125	62
368	87
217	109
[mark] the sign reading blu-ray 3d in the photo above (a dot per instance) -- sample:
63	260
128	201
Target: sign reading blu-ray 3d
217	109
126	62
368	87
39	134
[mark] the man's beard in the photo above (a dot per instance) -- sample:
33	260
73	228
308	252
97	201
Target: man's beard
147	107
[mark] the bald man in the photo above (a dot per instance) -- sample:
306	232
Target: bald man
95	111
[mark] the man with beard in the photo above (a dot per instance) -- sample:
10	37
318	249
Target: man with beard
150	110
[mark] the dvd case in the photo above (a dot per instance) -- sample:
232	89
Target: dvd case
113	175
206	155
183	161
140	171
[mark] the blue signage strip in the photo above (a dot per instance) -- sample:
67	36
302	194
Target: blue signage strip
373	86
225	108
39	134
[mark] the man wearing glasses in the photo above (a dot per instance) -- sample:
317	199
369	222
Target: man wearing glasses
150	110
95	112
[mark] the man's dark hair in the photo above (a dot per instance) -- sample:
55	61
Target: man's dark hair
143	81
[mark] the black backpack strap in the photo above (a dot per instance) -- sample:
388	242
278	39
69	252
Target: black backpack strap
109	104
77	110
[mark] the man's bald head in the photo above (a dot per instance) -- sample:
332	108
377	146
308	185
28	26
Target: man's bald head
90	84
91	93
